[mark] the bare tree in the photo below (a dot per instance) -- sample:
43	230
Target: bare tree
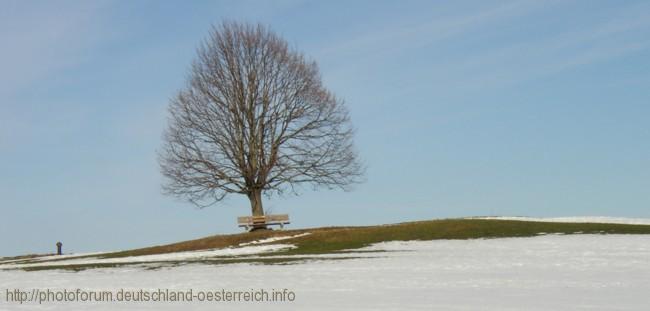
254	118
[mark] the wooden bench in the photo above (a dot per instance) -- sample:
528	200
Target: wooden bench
252	222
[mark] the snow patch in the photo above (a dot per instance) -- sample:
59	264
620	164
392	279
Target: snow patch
50	257
578	219
274	239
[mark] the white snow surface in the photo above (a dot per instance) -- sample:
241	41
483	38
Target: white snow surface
178	256
579	219
550	272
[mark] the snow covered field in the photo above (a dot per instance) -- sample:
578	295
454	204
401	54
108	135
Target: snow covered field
550	272
583	219
251	248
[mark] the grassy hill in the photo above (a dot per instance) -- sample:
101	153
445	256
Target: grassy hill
333	239
330	240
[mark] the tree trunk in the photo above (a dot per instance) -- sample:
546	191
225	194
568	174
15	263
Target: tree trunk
255	196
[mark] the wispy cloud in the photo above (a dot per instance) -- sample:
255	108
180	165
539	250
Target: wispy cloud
406	34
38	43
38	40
624	33
496	64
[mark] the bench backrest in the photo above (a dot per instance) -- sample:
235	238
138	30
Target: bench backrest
263	219
280	217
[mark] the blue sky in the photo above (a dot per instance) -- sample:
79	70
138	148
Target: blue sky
536	108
